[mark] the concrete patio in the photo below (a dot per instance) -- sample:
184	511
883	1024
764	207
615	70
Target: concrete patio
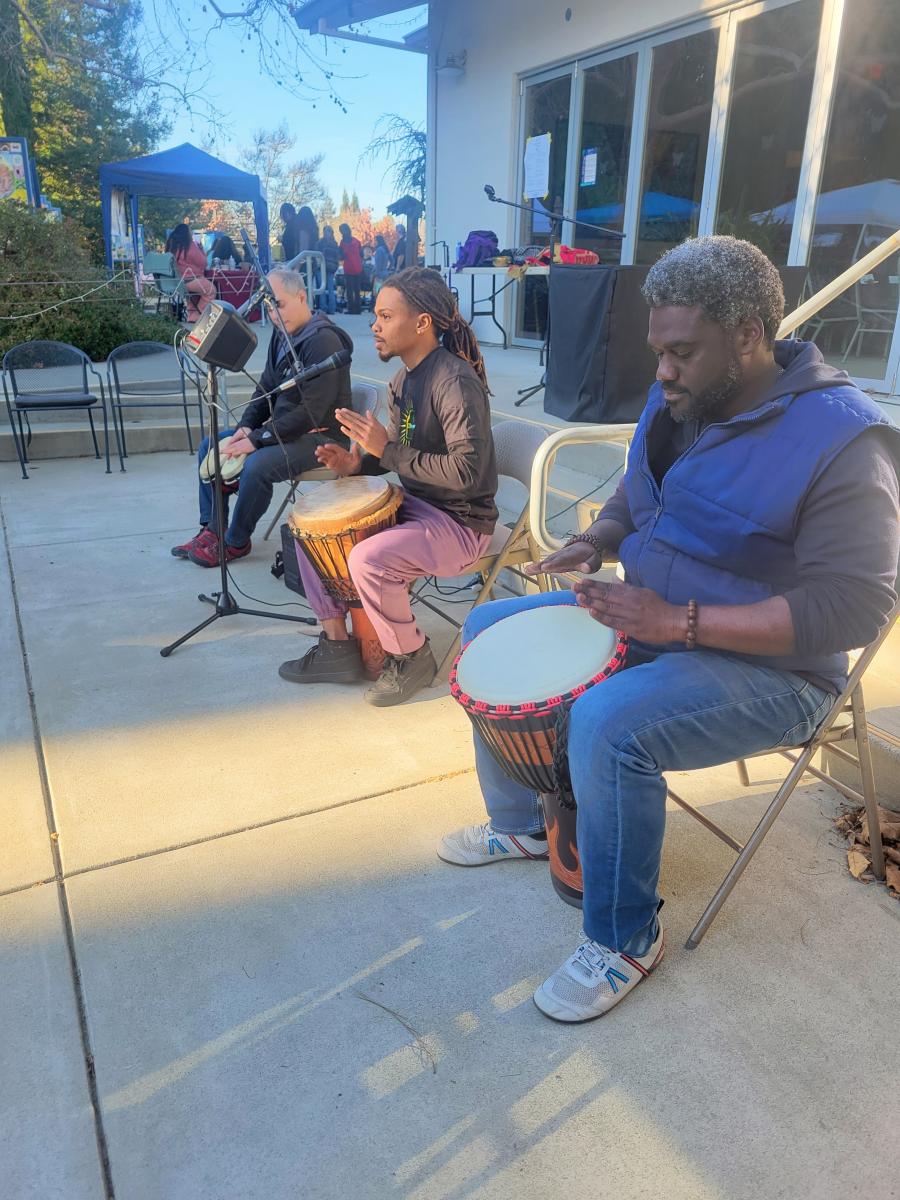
234	968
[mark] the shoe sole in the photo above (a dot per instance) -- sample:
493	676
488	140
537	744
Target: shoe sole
177	552
606	1011
491	862
329	679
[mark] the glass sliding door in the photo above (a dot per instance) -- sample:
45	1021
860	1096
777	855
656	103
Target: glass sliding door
546	109
682	79
859	195
773	73
603	151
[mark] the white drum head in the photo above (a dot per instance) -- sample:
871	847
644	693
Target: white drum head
231	467
534	655
337	503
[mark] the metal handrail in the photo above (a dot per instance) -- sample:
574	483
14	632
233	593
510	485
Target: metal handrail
840	284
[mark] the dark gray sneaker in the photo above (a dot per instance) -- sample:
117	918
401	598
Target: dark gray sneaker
326	662
402	676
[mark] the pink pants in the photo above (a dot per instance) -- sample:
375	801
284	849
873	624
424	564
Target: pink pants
425	541
200	293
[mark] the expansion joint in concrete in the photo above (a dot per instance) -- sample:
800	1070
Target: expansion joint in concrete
62	895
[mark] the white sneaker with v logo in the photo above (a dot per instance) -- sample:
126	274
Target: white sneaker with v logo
481	845
594	980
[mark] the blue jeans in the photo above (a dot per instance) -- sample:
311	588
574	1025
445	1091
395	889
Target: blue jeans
328	298
661	712
262	470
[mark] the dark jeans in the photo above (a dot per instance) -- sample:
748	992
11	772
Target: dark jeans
262	470
351	289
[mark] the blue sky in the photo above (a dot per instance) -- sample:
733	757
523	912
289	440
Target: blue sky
376	80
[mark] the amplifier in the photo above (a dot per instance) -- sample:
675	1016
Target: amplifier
222	338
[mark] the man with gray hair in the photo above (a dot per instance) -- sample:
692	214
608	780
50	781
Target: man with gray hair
757	525
279	430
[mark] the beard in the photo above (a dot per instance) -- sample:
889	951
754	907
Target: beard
709	403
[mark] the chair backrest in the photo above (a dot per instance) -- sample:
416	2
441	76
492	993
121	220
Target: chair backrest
42	366
857	670
364	399
515	445
157	263
145	369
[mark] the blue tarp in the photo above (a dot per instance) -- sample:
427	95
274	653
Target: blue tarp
182	171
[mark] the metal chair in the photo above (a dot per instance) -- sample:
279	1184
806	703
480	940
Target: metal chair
516	443
844	723
45	376
169	284
151	375
364	399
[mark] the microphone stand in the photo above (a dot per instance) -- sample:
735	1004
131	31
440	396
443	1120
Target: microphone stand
224	603
555	219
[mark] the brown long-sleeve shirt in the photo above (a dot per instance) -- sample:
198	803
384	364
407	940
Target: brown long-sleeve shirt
440	441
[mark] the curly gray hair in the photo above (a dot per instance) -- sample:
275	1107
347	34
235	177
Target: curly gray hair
730	279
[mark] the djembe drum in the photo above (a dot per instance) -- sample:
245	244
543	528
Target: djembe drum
327	523
517	680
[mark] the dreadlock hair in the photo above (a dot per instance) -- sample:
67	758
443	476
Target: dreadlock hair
424	291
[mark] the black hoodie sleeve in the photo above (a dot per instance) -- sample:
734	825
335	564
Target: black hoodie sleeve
847	544
300	409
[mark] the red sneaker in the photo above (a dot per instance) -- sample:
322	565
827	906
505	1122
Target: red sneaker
184	550
206	553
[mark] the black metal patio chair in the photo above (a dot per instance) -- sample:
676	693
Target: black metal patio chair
152	375
46	376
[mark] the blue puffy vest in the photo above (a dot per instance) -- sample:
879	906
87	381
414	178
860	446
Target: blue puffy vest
720	530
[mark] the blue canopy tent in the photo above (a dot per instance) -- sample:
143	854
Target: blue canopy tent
182	171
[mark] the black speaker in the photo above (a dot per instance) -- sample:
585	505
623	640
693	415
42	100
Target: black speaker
222	338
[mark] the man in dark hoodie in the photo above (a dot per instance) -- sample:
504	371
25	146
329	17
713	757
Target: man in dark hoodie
278	432
757	525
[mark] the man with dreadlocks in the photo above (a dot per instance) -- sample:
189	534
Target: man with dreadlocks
757	525
439	442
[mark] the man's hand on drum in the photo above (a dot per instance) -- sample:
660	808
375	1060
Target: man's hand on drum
238	443
365	431
638	612
336	458
580	557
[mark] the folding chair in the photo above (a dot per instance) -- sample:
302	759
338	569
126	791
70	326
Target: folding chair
845	722
151	375
363	399
515	444
45	376
169	284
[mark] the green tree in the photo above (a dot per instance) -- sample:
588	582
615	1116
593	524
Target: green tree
82	110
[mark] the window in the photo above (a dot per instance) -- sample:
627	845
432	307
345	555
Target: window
774	65
547	105
681	91
603	154
859	196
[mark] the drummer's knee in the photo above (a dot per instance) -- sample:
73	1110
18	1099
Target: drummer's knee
602	720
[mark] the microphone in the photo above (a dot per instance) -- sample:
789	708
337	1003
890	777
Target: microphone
340	358
489	191
254	299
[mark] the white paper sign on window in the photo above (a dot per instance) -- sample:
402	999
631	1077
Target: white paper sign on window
588	168
537	167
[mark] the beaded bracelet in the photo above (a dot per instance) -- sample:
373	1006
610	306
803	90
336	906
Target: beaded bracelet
693	611
589	539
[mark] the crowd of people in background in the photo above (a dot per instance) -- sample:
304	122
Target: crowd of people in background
363	269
